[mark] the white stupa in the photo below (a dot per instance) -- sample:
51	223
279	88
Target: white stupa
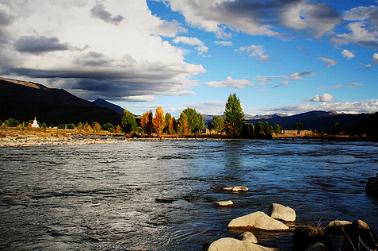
35	123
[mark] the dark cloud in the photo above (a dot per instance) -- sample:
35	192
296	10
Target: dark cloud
100	12
94	59
5	18
39	44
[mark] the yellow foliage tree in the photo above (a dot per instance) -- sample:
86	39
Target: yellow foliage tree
146	122
159	120
171	126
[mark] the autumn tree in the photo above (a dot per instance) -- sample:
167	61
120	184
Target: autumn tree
234	116
183	126
171	125
87	128
168	117
128	121
159	120
96	127
118	129
146	122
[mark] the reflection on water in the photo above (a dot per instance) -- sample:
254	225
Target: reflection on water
158	195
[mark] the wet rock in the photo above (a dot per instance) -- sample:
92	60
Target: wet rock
228	244
224	203
372	186
257	220
360	237
317	247
249	237
165	200
236	189
281	212
338	226
304	237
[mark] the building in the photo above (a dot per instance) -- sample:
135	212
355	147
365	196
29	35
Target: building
35	123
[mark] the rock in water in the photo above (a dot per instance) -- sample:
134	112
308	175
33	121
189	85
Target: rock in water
338	226
249	237
317	247
360	237
257	220
281	212
372	186
224	203
236	189
305	237
230	244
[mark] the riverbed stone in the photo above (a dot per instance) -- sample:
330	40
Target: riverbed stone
236	189
257	220
225	203
281	212
228	244
372	186
249	237
360	235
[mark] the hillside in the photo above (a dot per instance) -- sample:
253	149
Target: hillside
24	100
103	103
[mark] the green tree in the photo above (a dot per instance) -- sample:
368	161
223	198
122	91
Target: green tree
195	120
299	126
96	127
277	128
128	121
11	122
43	125
217	124
168	117
108	127
248	130
234	116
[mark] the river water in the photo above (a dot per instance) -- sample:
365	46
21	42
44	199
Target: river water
158	195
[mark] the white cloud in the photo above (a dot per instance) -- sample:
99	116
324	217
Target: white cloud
329	62
255	51
285	79
140	98
229	82
326	97
223	43
363	27
347	54
193	41
352	107
94	54
375	58
257	17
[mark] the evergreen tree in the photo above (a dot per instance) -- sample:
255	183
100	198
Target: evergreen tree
234	116
128	121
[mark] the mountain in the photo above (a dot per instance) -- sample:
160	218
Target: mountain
24	100
105	104
315	120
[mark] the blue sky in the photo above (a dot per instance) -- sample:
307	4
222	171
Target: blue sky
277	56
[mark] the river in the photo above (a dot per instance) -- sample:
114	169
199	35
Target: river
106	196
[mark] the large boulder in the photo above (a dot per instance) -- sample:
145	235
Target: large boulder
257	220
224	203
372	186
338	226
236	189
249	237
231	244
360	237
281	212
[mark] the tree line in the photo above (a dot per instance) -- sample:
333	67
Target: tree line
189	122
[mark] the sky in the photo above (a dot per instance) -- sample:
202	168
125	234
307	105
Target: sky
278	56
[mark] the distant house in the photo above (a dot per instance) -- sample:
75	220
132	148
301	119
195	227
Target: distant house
35	123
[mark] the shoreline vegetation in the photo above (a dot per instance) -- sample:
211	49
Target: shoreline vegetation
190	125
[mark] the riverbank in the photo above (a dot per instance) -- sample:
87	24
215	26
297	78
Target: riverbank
15	137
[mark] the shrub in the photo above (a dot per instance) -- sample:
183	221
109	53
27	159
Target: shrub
11	122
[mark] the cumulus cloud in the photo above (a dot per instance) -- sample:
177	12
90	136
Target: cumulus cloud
193	41
329	62
255	51
94	59
363	27
258	17
229	82
352	107
347	54
39	44
326	97
375	58
100	12
223	43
